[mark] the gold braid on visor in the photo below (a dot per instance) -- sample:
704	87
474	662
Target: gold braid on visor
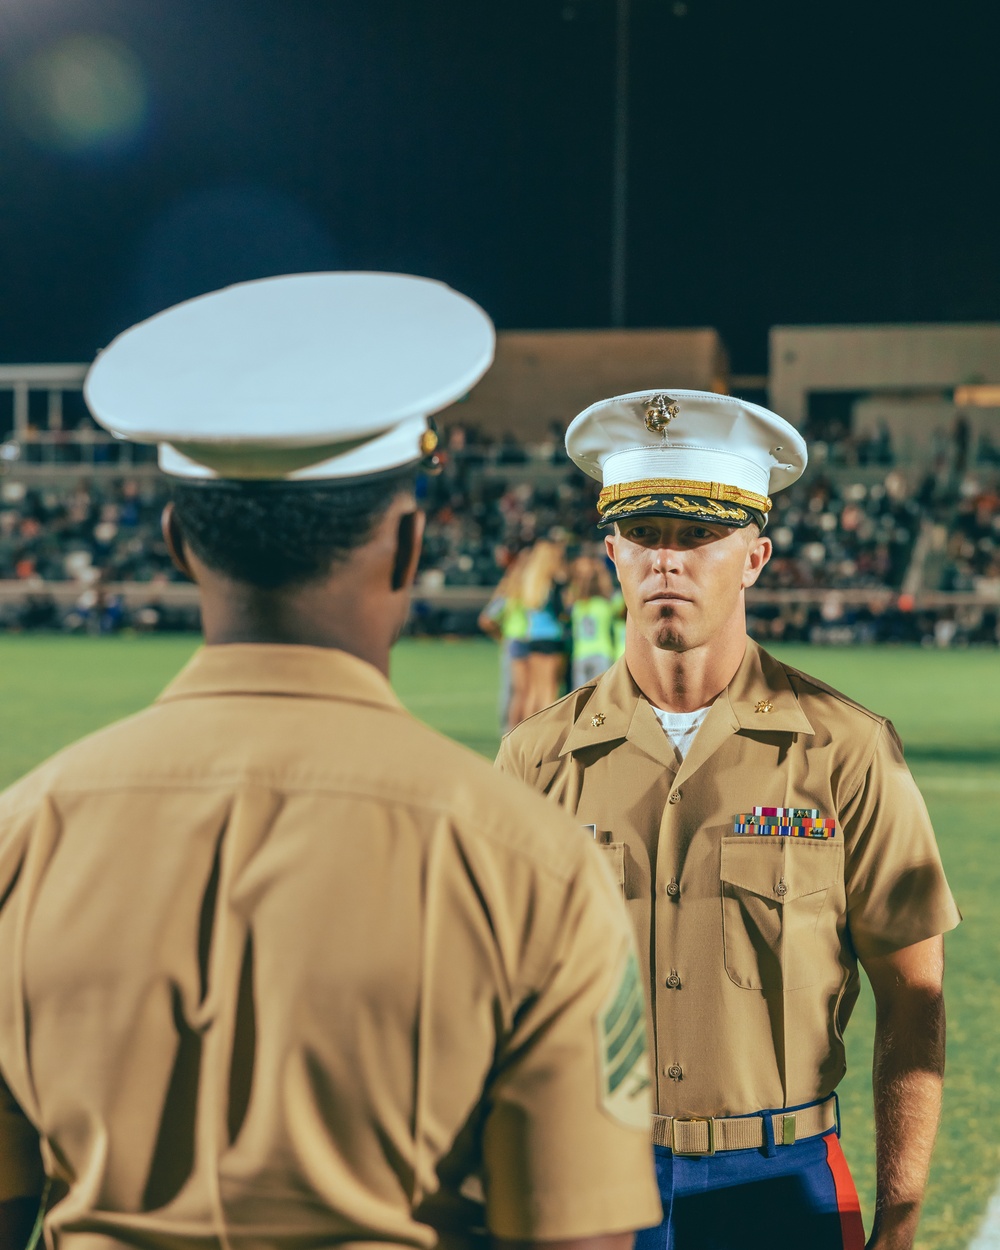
707	490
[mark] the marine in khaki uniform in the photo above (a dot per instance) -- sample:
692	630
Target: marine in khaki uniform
767	836
279	966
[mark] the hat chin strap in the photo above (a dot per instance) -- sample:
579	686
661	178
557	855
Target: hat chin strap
706	490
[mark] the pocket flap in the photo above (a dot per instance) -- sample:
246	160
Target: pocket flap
778	868
614	857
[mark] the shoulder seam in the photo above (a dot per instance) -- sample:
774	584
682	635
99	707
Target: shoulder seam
842	698
438	808
864	771
589	686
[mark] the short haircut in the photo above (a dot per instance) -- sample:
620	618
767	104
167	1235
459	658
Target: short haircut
277	534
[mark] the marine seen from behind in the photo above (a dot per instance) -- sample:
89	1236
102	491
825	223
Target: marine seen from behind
768	838
279	966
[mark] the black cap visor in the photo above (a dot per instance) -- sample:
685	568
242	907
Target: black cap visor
689	507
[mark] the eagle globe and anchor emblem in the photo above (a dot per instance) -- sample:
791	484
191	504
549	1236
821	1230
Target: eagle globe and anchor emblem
660	411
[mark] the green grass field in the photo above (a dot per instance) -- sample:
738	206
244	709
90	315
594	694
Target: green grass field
946	706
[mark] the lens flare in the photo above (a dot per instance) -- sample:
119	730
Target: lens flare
84	94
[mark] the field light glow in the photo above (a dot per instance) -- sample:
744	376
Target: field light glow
83	94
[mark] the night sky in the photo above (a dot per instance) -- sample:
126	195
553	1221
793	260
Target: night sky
789	162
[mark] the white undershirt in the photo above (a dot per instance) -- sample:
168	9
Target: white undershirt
680	728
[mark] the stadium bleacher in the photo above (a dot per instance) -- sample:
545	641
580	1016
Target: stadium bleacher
864	550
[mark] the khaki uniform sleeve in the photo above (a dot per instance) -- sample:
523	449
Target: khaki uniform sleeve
21	1172
566	1144
897	893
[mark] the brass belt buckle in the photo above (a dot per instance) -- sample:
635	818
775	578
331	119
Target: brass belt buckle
695	1119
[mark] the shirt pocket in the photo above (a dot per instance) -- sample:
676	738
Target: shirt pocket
614	857
774	891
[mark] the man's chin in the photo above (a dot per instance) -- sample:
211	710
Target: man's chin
670	640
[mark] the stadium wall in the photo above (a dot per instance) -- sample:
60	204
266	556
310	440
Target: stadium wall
545	377
915	366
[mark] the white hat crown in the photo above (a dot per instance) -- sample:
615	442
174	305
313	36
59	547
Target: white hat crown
320	375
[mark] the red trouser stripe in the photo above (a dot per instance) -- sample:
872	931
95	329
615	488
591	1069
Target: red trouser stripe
851	1229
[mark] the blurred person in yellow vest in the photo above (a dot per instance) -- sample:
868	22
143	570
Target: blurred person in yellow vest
592	616
618	626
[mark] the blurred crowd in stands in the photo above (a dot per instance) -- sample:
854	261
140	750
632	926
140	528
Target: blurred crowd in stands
86	531
856	524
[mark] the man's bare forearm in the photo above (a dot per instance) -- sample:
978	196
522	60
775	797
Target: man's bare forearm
907	1078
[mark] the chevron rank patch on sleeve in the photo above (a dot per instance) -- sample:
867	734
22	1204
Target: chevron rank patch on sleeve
624	1060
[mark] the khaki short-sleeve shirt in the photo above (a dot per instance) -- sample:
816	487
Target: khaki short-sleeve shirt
278	965
751	942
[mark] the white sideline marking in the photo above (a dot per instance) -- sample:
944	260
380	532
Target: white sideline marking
988	1237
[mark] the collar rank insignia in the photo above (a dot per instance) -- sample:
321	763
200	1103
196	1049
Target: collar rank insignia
598	719
660	411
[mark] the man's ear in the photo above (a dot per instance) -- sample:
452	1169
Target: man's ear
173	536
758	554
409	540
609	546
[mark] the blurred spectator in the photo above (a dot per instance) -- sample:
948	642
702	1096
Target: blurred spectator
973	541
542	596
961	433
505	619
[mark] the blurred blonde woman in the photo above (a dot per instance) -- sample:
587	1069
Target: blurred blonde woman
505	619
541	594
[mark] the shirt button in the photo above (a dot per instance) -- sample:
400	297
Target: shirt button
781	889
673	887
675	797
675	1071
673	981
